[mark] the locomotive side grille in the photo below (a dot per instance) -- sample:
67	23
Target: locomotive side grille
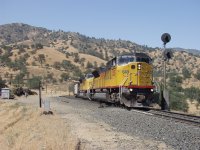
144	74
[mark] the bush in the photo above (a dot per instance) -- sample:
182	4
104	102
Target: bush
37	46
49	77
193	94
33	63
2	83
197	75
175	82
76	57
178	102
19	79
41	58
186	73
34	82
64	76
89	65
57	65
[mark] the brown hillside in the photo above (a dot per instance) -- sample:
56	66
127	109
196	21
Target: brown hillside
58	44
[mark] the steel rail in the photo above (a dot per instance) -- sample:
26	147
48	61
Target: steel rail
185	118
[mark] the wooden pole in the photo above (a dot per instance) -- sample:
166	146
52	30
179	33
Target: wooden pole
40	99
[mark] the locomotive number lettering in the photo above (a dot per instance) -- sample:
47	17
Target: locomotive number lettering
125	71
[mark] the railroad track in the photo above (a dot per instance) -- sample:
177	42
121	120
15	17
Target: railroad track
184	118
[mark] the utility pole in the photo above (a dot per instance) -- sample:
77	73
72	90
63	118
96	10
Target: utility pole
40	99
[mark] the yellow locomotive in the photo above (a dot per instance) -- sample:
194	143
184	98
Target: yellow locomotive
126	79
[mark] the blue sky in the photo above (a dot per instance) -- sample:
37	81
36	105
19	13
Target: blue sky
140	21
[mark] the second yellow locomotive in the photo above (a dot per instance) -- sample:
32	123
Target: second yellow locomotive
126	79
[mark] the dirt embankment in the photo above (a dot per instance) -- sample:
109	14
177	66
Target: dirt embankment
24	127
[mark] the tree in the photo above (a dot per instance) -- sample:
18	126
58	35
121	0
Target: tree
49	77
175	81
106	55
197	75
82	60
95	64
41	58
2	83
82	64
66	64
186	73
37	46
89	65
64	76
57	65
102	65
19	79
33	83
76	57
26	55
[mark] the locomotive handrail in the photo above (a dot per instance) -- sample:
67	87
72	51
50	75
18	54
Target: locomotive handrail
88	95
120	86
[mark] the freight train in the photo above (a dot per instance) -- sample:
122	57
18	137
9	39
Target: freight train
125	80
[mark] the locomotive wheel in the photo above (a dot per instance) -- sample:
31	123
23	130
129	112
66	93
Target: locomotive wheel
128	102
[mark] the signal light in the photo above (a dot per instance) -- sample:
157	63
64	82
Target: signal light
139	66
166	38
167	54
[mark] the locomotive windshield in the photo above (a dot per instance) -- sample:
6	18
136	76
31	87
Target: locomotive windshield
131	58
87	76
125	59
143	59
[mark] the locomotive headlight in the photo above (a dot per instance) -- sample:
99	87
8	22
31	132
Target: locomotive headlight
151	90
131	90
132	66
139	66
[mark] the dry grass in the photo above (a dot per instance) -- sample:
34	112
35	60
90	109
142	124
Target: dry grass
91	59
51	55
193	109
23	127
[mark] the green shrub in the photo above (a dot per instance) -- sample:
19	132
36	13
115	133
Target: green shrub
186	73
197	75
33	63
41	58
64	76
193	93
89	65
178	102
2	83
57	65
34	82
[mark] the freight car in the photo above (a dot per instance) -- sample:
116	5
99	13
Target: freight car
126	80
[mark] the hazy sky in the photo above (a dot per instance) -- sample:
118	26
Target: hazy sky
140	21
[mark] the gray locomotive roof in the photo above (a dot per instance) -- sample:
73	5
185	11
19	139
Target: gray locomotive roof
135	54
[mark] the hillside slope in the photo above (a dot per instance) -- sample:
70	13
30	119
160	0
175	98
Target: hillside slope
56	56
19	40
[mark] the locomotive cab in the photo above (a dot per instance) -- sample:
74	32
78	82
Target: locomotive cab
136	68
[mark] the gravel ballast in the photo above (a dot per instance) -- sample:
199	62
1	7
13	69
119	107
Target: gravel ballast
177	135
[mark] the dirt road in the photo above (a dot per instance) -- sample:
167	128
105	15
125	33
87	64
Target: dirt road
24	127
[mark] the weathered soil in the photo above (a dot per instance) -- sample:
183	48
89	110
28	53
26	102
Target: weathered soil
24	126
